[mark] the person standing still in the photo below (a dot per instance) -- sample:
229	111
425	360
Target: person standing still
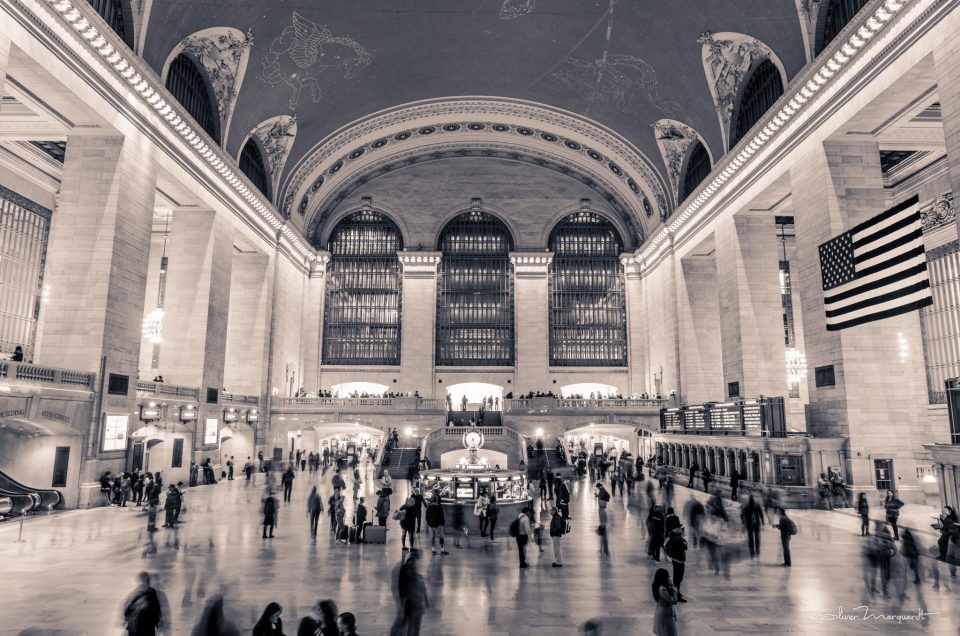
314	510
693	473
287	480
892	504
676	551
557	528
269	514
230	469
787	529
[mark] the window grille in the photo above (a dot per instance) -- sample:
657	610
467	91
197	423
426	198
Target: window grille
362	311
839	15
763	89
112	13
588	317
251	164
940	322
698	167
24	231
475	293
187	84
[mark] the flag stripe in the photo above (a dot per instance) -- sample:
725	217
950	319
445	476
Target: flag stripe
880	218
898	290
869	311
915	255
862	240
879	279
895	310
875	255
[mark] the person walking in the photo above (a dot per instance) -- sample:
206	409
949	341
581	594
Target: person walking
603	499
418	507
480	511
143	611
892	505
357	482
360	519
435	523
521	531
676	550
382	509
170	505
314	510
558	527
910	549
562	490
287	481
342	533
705	475
412	593
664	595
734	484
408	523
863	509
338	483
787	529
270	623
949	526
752	517
693	473
269	514
493	511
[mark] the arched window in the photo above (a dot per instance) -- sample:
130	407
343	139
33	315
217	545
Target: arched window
363	301
251	164
112	13
763	89
588	316
187	83
698	167
475	293
839	14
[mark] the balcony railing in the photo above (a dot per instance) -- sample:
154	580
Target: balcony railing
237	398
162	388
24	372
583	404
367	402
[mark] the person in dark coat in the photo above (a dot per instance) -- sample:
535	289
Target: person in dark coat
655	524
269	514
705	474
892	504
408	523
287	481
694	467
676	550
752	517
863	509
270	623
412	593
734	484
558	528
382	509
360	519
327	610
787	529
314	510
143	612
171	505
213	622
563	497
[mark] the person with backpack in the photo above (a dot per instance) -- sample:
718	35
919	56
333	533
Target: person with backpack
382	509
493	511
435	523
406	515
520	530
558	527
787	529
269	514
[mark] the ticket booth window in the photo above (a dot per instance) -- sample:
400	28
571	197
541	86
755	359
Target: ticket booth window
789	470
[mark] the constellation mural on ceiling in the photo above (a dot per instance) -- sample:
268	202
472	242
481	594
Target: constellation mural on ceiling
511	9
305	50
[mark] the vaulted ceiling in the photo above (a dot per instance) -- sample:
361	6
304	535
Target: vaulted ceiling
624	64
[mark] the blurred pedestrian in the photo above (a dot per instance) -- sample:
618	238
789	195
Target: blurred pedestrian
270	623
664	595
314	510
787	530
269	514
892	505
863	509
143	612
213	622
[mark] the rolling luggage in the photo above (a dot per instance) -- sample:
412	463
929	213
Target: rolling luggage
375	534
353	534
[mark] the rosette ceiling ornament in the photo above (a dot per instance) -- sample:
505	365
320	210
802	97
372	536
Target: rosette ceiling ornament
476	126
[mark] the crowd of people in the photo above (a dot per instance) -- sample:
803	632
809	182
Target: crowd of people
326	393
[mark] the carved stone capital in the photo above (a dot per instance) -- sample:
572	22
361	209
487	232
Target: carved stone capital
531	264
318	266
419	264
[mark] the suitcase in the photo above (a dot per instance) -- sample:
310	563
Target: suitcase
353	534
375	534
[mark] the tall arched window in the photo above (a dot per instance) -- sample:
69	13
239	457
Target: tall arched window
112	13
698	167
839	14
475	293
251	164
363	302
187	83
763	89
588	315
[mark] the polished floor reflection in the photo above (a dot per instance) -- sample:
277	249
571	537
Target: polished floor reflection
73	571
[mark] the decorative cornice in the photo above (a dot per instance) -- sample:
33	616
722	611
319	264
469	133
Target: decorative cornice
128	68
938	211
18	199
467	122
419	264
531	264
796	99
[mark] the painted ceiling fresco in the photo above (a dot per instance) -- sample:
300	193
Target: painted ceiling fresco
627	64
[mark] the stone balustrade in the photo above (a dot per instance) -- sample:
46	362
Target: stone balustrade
173	390
32	373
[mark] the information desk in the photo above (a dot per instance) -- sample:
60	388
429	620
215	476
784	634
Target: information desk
460	489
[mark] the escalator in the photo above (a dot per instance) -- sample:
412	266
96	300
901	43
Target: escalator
23	499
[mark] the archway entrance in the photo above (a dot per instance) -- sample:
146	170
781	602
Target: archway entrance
475	393
236	441
602	439
358	389
589	391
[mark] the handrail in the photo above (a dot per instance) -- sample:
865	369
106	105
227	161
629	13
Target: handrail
379	402
578	403
26	372
162	388
240	398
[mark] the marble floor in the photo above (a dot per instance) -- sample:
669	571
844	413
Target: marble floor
73	570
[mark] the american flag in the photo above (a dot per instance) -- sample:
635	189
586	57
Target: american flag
877	269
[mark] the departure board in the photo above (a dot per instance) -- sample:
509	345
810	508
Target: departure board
725	418
671	420
752	419
696	419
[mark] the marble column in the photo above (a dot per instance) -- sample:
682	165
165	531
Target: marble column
698	316
879	397
637	361
248	324
313	315
196	308
4	60
946	58
418	331
751	325
532	320
661	301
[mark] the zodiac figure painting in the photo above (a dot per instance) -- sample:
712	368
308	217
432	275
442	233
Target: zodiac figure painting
305	50
511	9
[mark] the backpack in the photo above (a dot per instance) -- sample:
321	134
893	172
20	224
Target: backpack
793	527
399	514
515	528
493	509
568	528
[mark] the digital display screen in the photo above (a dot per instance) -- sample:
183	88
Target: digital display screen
464	492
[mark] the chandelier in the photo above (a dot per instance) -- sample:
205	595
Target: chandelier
153	326
796	366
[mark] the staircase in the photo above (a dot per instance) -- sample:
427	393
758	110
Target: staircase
491	418
398	462
551	460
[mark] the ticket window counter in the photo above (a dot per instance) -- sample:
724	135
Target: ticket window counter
467	487
789	470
